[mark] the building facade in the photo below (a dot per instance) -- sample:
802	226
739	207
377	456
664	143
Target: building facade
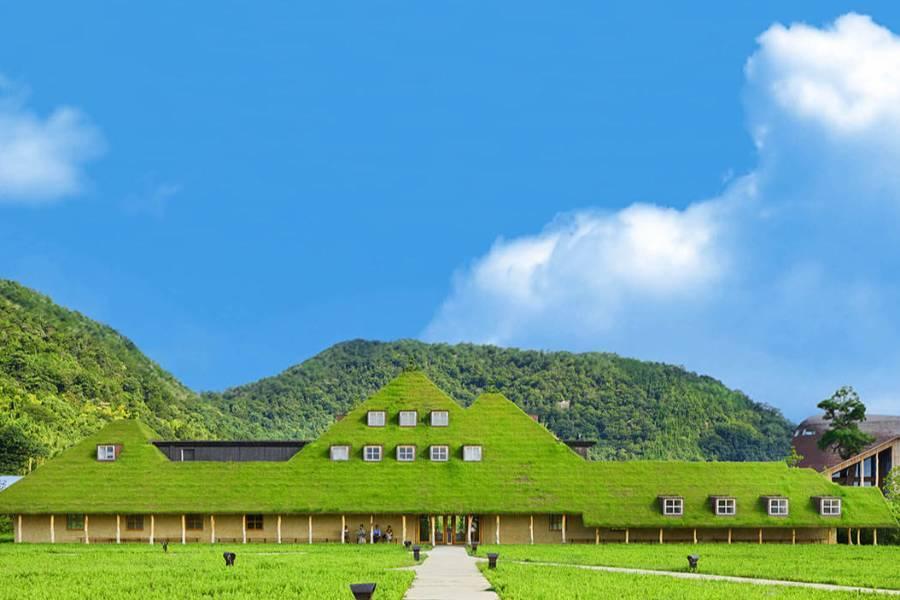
410	464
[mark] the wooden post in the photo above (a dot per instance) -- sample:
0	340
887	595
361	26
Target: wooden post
243	529
212	529
118	531
152	529
309	528
278	528
344	526
874	537
184	530
531	528
497	532
469	529
729	535
626	535
849	536
564	528
858	542
404	529
432	530
87	535
793	536
660	535
876	470
695	535
19	529
371	529
52	530
596	535
760	535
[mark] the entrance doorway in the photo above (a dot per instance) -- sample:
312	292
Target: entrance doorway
448	529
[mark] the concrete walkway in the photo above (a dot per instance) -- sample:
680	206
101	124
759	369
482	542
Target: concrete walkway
449	573
703	576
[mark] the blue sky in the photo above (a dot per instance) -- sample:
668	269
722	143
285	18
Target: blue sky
236	189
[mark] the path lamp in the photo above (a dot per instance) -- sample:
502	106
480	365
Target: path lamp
416	550
474	547
165	546
492	560
362	591
693	559
229	558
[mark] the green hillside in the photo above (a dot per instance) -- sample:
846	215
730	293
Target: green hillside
633	408
62	376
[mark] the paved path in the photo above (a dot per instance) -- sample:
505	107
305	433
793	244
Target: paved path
449	573
703	576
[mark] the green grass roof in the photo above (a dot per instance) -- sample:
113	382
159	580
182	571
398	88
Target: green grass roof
524	469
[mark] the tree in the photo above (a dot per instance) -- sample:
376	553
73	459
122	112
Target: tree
892	493
17	449
793	459
845	411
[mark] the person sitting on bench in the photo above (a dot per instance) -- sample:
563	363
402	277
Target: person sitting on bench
376	534
361	534
388	534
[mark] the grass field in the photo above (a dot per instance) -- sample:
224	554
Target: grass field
323	572
537	582
867	566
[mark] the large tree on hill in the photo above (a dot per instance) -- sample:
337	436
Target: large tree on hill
844	411
17	450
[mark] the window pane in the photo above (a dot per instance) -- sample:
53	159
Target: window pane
555	522
440	418
372	453
408	418
472	453
194	522
376	418
134	522
255	522
340	453
75	522
406	453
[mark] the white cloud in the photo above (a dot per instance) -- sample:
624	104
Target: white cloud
42	159
781	286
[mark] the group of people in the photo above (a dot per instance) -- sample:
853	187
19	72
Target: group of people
362	536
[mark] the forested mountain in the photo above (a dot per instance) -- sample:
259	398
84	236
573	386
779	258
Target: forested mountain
634	409
63	375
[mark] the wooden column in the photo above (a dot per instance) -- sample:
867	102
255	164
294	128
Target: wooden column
432	530
212	529
626	535
184	530
874	537
695	535
152	529
19	529
858	542
849	536
278	528
760	535
87	535
729	535
469	529
531	528
793	536
497	532
876	469
596	535
344	526
243	529
403	518
564	528
371	529
52	530
309	528
118	531
660	535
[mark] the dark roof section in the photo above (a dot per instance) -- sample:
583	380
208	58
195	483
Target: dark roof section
230	451
807	434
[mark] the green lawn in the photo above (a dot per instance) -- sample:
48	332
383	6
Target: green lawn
322	571
868	566
537	582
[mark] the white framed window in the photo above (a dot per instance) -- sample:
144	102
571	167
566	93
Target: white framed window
778	507
830	507
408	418
472	453
106	452
406	453
440	453
555	522
673	507
440	418
371	453
340	453
726	507
376	418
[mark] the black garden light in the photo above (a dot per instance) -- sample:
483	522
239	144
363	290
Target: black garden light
693	559
229	558
416	550
474	547
165	546
407	544
362	591
492	560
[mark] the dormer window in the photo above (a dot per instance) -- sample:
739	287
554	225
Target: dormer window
724	506
672	506
829	506
106	452
372	453
340	453
777	507
440	453
376	418
406	453
440	418
472	453
408	418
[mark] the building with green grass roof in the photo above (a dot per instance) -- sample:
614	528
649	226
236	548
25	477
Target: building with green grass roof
412	460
